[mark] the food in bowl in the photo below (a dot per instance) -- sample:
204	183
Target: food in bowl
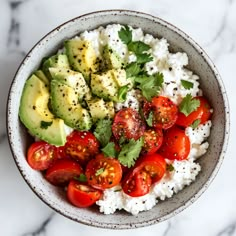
120	120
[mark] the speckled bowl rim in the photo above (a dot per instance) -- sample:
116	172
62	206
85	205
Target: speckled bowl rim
226	124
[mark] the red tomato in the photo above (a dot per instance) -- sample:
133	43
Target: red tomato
165	112
202	113
176	144
136	183
62	171
82	146
82	195
153	164
103	172
128	124
152	141
40	155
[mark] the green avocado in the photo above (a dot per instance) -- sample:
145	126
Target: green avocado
36	116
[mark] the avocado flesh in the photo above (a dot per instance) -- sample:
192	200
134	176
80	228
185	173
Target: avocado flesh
99	109
112	59
56	61
82	57
73	79
64	102
40	74
34	110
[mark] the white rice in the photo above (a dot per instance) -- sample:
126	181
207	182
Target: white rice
172	67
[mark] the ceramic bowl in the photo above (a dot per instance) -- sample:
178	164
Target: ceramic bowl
199	63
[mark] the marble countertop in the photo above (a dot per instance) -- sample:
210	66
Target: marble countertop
211	23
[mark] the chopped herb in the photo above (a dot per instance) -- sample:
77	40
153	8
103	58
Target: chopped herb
188	105
170	167
150	85
143	58
122	140
103	131
133	69
186	84
195	124
99	171
45	124
118	190
149	119
81	178
138	47
130	152
125	35
109	150
122	93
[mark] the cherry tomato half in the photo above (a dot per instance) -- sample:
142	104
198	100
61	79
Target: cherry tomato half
165	112
103	172
153	164
82	195
40	155
62	171
82	146
176	144
128	124
202	113
136	183
152	140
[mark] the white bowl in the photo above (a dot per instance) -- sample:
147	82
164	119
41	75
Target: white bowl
199	63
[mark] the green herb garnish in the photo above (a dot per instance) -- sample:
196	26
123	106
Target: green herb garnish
99	171
125	35
81	178
45	124
195	124
103	131
138	47
170	167
130	152
150	119
133	69
188	105
186	84
109	150
122	93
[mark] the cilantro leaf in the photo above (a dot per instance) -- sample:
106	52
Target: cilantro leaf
170	167
150	85
186	84
45	124
143	58
195	124
125	35
149	119
99	171
81	178
109	150
188	105
133	69
103	131
138	47
122	93
130	152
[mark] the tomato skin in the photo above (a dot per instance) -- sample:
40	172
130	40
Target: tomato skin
136	183
82	195
128	124
109	177
40	155
153	164
152	140
202	113
81	146
176	144
62	171
165	112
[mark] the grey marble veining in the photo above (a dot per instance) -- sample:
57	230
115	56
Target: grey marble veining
211	23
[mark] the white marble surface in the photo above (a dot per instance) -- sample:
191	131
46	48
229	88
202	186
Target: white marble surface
212	23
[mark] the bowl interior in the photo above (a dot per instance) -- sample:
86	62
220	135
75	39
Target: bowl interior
198	62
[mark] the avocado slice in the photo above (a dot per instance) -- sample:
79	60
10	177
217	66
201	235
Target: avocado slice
64	102
35	115
82	57
112	59
104	86
99	109
73	79
42	76
56	61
